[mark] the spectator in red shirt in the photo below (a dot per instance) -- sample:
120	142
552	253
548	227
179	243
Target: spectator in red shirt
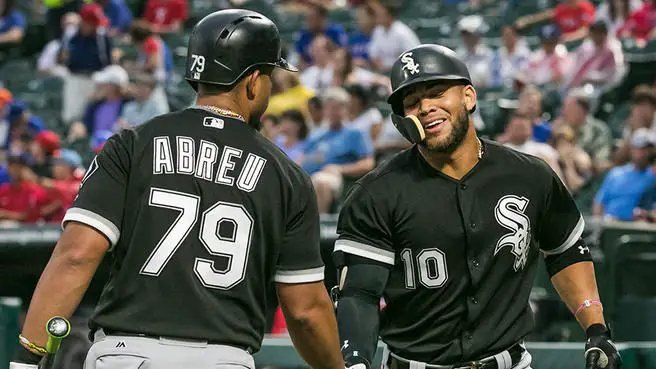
166	16
44	146
641	24
21	200
571	16
63	188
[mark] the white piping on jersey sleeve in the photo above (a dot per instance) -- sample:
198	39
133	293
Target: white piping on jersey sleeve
571	239
365	251
299	276
104	226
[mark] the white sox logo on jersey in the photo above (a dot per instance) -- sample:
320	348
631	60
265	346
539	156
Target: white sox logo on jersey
509	212
409	63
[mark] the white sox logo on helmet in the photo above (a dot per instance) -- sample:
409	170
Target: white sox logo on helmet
509	212
409	63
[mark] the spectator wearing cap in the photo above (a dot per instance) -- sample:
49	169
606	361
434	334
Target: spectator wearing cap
22	122
89	50
119	15
145	106
477	56
292	132
65	184
336	151
511	57
624	186
550	63
598	61
316	23
572	17
166	16
12	27
21	200
42	149
592	135
390	37
360	112
86	52
154	56
107	103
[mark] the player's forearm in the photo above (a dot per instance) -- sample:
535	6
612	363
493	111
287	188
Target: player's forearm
59	291
576	284
358	322
314	333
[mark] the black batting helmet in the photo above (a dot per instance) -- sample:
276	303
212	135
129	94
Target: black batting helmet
424	63
227	44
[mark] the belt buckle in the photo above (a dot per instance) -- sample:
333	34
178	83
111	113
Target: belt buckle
473	365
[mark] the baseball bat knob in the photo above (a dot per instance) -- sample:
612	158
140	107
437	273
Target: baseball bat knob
592	360
58	327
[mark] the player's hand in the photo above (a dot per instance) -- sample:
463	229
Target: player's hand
25	359
599	342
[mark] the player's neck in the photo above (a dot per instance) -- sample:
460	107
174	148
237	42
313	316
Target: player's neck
458	163
224	102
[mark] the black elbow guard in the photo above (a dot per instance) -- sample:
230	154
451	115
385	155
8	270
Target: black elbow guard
575	254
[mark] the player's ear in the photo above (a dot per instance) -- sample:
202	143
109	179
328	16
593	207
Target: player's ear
251	84
470	97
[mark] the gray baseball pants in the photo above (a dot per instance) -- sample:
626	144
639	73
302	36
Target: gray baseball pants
131	352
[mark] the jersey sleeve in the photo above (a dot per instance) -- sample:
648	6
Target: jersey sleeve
363	228
300	256
107	174
562	223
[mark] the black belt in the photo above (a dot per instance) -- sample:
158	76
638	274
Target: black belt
110	332
489	363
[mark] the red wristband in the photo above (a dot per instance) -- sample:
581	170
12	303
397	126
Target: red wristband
586	304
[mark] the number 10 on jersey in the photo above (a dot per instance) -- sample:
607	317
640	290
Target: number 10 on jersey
431	264
235	248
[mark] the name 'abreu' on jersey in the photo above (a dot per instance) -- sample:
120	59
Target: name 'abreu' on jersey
203	214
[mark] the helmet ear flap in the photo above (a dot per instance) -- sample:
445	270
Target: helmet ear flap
410	127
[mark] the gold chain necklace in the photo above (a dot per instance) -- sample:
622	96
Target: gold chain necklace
480	148
224	112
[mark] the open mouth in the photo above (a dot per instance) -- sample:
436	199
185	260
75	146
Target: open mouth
434	123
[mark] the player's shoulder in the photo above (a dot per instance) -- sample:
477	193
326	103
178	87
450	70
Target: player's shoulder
390	173
515	161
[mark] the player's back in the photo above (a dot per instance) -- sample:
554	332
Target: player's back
206	206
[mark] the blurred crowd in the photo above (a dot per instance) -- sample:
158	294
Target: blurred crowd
331	118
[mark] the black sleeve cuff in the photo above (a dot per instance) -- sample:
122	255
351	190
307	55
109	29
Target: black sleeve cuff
575	254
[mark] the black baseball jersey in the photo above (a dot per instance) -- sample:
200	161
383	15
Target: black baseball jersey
462	253
203	214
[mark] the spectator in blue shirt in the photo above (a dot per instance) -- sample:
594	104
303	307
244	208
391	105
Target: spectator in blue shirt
12	26
336	151
646	209
119	15
317	24
623	186
90	49
359	40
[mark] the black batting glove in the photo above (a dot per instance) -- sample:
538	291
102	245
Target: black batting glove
599	340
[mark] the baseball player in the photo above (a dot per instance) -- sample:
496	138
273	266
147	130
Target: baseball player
449	232
201	216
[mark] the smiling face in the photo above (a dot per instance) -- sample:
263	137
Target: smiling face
443	108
